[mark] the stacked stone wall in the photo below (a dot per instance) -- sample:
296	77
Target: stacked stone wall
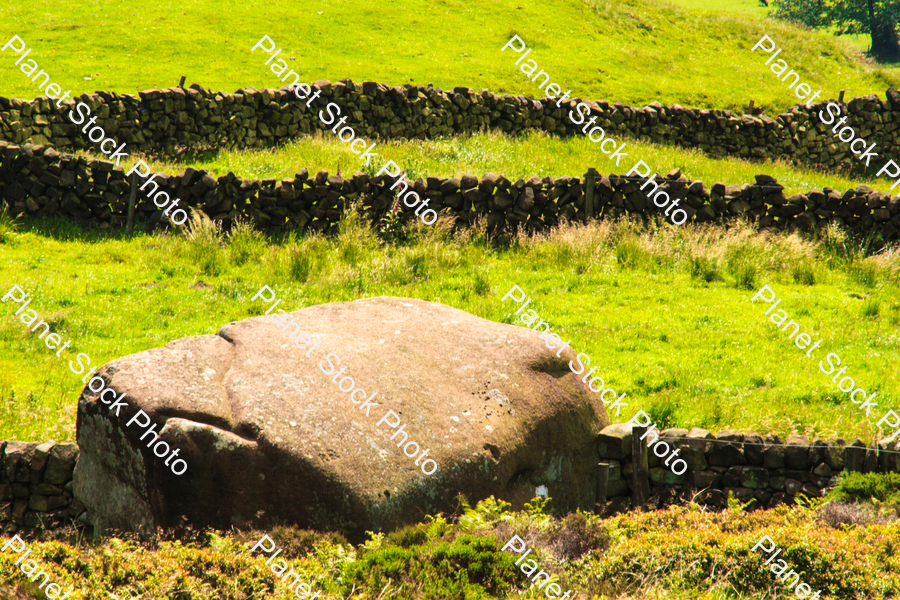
36	486
38	181
159	121
763	470
36	478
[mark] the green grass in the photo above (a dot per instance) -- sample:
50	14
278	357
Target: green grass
633	51
534	153
747	8
854	45
683	341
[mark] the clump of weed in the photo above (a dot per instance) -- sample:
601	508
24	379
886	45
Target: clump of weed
864	272
803	272
295	543
630	254
662	413
204	243
870	308
411	535
469	566
741	265
894	314
390	227
704	268
356	240
302	260
839	515
480	283
882	487
245	242
8	226
834	245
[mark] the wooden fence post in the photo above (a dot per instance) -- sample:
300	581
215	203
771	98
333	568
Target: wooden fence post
590	180
639	480
132	197
181	83
602	480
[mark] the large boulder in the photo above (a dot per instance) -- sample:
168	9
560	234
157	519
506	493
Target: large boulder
264	433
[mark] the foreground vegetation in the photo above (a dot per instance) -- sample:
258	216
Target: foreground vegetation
632	51
667	308
680	553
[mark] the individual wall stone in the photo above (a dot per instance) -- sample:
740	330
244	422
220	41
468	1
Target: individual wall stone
796	452
753	448
696	447
728	450
834	455
773	453
60	464
614	441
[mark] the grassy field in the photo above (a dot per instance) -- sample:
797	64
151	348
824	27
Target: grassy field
668	310
858	44
591	47
534	153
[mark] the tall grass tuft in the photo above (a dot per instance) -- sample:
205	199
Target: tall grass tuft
803	272
480	283
8	226
741	265
662	413
204	239
356	240
894	314
870	308
835	246
704	268
630	254
301	260
864	272
245	242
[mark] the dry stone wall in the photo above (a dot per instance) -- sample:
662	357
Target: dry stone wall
159	120
38	181
36	486
36	478
764	469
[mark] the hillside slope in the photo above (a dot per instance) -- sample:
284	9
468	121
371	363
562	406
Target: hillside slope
633	51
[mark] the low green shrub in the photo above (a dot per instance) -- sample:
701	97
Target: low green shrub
882	487
468	567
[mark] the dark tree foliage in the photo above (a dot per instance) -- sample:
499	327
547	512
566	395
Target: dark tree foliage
877	18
